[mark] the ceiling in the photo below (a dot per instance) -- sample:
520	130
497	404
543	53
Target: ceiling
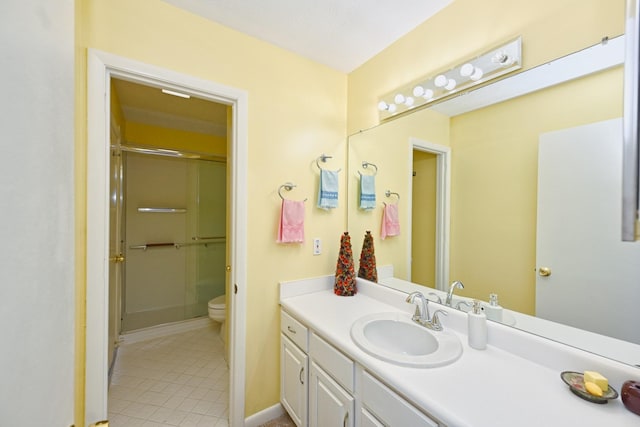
342	34
148	105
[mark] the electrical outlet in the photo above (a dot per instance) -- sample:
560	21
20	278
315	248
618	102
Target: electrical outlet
317	247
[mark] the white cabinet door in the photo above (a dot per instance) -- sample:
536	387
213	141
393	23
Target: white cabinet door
293	381
329	404
367	419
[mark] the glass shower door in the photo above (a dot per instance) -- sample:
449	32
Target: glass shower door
175	218
206	279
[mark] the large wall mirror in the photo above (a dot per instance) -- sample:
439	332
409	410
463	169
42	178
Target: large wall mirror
475	186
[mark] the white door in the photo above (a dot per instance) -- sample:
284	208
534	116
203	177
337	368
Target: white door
594	277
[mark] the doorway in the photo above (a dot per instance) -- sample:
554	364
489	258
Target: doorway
102	68
430	210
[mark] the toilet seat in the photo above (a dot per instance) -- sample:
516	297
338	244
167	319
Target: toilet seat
218	303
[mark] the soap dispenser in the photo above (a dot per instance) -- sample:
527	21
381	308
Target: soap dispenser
477	327
493	310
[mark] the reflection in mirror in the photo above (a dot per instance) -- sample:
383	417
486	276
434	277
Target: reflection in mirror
489	240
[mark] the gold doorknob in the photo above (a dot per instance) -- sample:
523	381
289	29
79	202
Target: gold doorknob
227	268
544	271
117	258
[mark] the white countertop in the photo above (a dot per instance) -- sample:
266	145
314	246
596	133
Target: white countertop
488	388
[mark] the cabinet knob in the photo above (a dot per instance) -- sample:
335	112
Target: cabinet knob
301	378
290	329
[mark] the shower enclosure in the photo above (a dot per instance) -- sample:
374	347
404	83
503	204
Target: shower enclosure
174	227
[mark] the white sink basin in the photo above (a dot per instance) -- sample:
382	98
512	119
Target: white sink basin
395	338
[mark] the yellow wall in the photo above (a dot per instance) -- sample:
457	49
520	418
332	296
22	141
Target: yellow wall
139	134
297	111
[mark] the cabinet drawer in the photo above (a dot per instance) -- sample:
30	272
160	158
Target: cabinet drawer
339	366
294	330
389	407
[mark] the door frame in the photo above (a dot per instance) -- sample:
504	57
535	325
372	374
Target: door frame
101	67
443	207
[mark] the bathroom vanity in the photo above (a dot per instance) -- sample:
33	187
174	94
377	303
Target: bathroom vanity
328	380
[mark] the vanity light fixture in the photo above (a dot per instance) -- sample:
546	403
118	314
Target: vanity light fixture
483	68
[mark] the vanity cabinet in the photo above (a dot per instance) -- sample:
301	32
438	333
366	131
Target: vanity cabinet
294	368
318	386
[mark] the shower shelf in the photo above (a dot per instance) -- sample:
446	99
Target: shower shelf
162	210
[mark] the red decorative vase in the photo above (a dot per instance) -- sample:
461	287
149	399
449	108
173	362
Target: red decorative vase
345	284
631	396
367	269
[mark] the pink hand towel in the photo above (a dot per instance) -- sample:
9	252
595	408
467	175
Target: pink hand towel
291	224
390	221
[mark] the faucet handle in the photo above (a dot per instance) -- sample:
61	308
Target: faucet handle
438	299
435	320
461	303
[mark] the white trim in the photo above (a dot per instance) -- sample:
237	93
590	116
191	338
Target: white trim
101	67
443	206
264	416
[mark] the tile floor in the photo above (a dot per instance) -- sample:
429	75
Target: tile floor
176	380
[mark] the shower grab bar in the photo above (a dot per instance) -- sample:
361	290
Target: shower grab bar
162	210
208	237
175	245
154	245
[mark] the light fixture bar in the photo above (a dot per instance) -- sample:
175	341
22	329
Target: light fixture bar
485	67
174	93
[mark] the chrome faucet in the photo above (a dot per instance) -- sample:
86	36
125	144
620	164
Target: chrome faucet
421	315
454	285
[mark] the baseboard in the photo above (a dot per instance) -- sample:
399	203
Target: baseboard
264	416
164	330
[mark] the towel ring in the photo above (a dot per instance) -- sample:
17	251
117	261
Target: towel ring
388	193
287	186
366	164
324	158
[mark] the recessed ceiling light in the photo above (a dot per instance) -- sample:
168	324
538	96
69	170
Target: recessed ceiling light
174	93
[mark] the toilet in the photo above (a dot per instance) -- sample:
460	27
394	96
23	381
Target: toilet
218	312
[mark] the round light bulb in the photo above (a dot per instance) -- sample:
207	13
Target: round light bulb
418	91
399	99
477	74
466	70
428	94
383	106
392	108
451	85
440	81
409	101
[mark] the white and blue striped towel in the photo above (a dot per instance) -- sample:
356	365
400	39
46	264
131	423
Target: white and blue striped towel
328	191
367	192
